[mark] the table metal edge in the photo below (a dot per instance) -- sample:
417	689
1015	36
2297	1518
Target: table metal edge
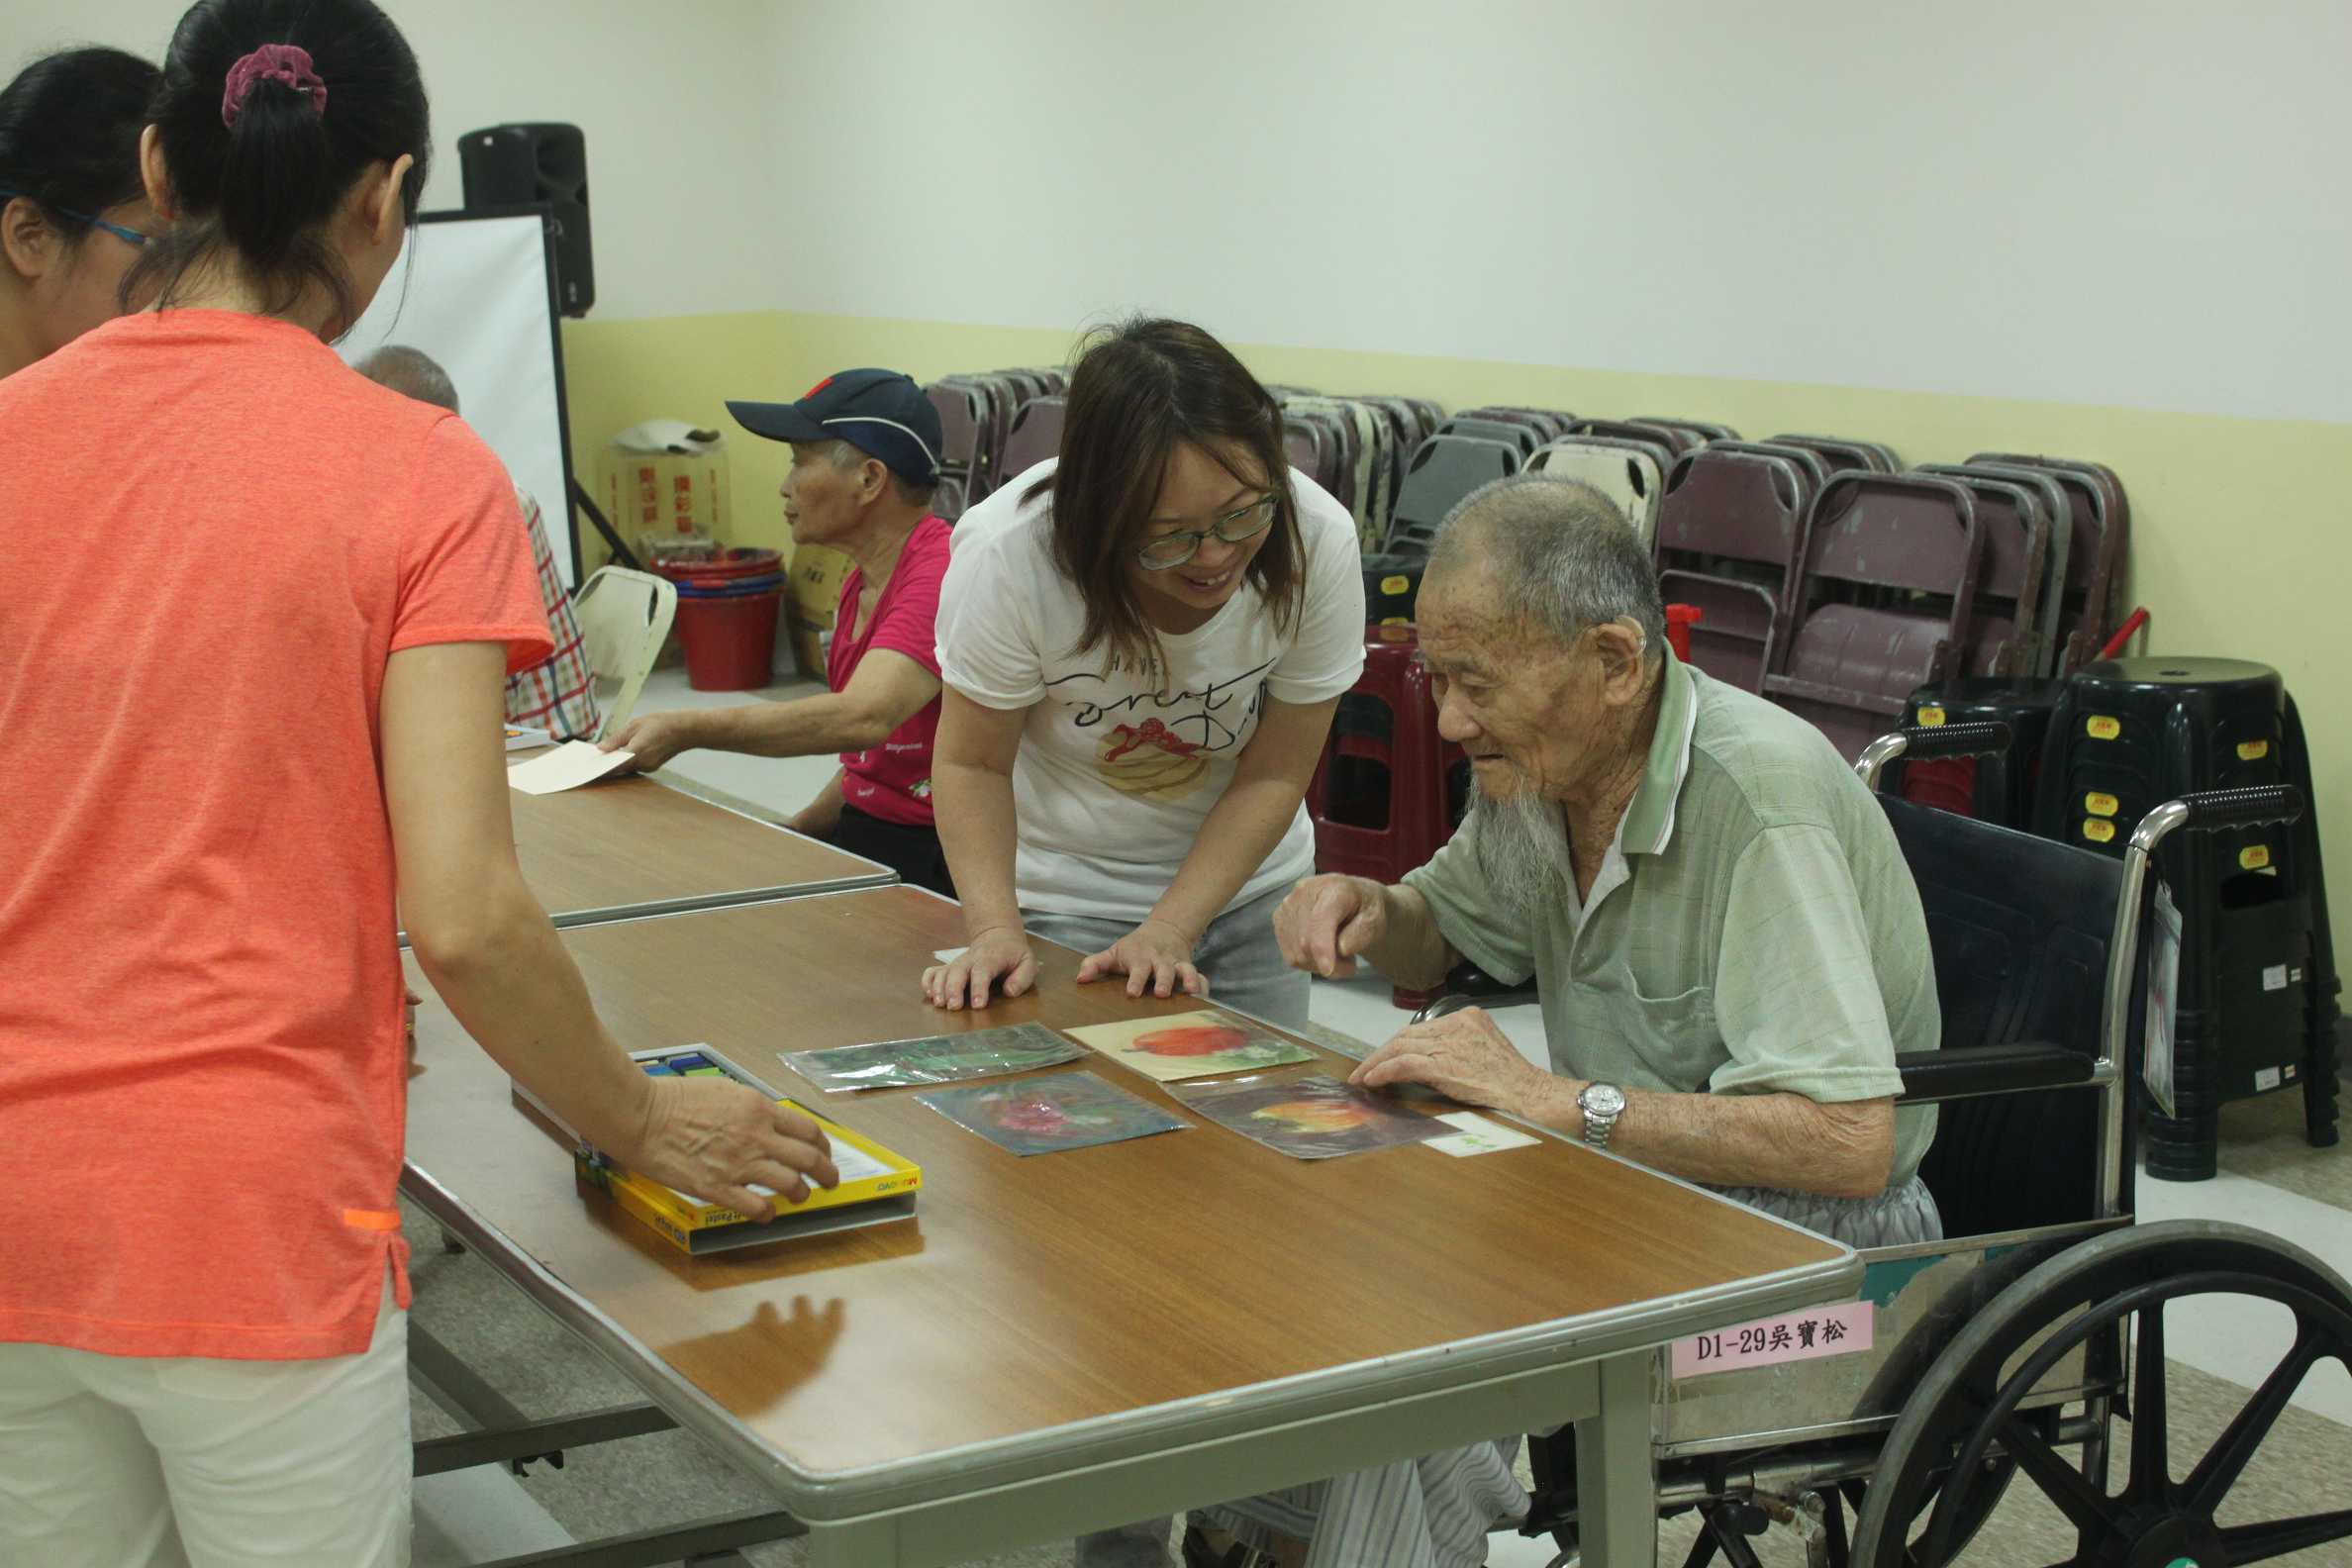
826	1494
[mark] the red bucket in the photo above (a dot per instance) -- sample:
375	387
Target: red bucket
729	638
708	566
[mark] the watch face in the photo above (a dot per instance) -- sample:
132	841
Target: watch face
1604	1099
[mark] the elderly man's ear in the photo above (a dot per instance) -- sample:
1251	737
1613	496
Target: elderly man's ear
1624	657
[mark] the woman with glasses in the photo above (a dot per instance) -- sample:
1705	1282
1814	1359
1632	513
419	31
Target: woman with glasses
73	215
1143	646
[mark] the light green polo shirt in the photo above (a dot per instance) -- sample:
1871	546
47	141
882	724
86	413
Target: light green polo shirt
1752	928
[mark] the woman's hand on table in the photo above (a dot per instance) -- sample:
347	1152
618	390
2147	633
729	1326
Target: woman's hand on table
1156	957
714	1138
998	955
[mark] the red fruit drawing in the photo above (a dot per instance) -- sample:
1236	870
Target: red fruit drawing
1032	1115
1192	1039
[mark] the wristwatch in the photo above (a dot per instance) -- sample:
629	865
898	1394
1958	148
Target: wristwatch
1602	1104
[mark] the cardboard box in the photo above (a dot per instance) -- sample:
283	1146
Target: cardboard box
665	484
817	572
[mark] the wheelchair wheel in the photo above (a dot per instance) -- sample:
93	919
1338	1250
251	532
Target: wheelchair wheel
1965	1413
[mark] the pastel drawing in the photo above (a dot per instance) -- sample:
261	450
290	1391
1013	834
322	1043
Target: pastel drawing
1317	1115
1192	1039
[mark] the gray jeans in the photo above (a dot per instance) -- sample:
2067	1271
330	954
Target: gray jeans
1899	1217
1238	954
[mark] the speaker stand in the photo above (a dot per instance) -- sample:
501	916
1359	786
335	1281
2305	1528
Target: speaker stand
623	555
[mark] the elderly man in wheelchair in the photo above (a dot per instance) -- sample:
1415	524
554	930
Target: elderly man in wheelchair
1730	951
1757	975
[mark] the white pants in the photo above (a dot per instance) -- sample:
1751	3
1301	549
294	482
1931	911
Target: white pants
192	1462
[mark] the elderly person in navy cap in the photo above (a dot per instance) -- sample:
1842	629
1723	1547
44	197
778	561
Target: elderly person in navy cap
865	447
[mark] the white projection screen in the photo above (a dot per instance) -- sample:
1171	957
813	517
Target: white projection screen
476	290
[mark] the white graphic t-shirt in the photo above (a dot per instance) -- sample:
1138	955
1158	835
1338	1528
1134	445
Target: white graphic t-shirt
1116	775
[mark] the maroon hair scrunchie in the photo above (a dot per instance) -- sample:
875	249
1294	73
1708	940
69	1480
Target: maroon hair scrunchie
281	63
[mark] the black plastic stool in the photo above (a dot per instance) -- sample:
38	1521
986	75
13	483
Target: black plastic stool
2256	1003
1994	789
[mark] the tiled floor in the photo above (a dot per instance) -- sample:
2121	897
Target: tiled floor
2271	1179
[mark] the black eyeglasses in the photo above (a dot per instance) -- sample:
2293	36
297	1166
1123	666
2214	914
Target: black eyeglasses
1237	526
126	236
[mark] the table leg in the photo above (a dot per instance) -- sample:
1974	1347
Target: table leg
859	1543
1616	1488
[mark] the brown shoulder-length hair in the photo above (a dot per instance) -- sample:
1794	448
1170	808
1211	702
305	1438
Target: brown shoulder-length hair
1138	391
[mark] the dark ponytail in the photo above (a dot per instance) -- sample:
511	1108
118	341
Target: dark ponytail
255	176
69	129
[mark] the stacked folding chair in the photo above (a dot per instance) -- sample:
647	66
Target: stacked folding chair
1700	431
1628	472
1035	434
1729	533
1675	440
1443	470
1885	600
1511	433
2102	527
1365	451
1549	424
963	427
2016	607
985	405
1842	453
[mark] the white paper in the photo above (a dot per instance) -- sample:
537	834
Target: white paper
568	766
1478	1136
948	955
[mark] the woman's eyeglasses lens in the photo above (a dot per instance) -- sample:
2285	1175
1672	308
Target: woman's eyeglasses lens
1175	549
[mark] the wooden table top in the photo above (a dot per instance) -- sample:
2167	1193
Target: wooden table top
1030	1293
630	841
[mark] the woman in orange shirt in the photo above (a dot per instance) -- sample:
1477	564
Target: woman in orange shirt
72	214
258	727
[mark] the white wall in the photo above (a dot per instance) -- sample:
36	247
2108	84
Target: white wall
680	193
2126	202
2118	202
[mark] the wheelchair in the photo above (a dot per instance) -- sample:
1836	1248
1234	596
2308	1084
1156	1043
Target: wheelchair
2012	1346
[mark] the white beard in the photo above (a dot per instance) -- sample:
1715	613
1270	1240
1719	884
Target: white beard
1521	850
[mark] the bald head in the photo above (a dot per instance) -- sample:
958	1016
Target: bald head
410	372
1554	554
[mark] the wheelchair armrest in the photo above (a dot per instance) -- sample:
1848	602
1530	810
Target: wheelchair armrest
1970	1070
1467	986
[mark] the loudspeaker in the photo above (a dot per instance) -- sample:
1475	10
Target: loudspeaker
509	165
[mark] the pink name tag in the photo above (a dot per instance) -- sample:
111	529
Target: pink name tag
1798	1336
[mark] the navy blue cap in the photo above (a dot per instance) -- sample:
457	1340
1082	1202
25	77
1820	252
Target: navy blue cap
881	413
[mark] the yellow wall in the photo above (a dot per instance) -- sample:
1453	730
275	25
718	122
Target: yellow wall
2240	541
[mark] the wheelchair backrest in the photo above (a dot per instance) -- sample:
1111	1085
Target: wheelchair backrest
2020	928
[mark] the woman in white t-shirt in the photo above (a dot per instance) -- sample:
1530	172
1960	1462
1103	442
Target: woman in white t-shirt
1143	646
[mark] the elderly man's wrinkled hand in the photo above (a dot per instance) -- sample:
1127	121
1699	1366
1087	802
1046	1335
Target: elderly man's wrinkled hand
1327	920
654	738
1463	1055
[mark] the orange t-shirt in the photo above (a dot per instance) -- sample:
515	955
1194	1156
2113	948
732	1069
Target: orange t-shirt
216	534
